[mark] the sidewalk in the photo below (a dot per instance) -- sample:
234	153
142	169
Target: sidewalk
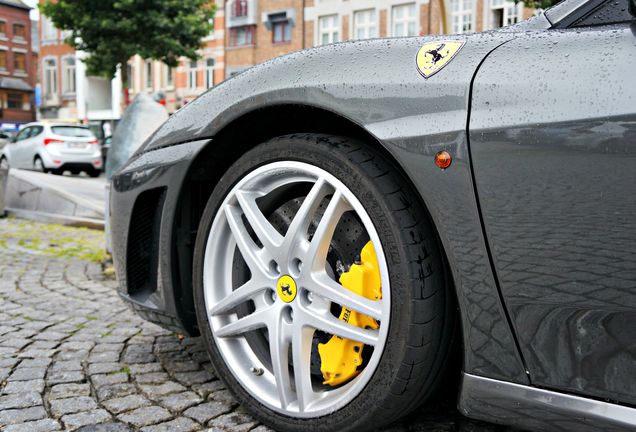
77	201
74	357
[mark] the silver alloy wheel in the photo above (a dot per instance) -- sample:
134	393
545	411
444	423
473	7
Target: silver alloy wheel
290	325
4	164
38	165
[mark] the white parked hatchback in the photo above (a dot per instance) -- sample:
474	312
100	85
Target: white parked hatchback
54	147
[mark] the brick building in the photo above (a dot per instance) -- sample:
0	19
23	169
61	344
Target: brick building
258	30
18	65
175	87
330	21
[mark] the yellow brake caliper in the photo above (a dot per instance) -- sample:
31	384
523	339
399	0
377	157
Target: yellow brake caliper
340	358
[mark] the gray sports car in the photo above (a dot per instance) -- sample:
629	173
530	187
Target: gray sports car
352	227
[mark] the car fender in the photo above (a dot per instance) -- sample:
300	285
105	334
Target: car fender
376	85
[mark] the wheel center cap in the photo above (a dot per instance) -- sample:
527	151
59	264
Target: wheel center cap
286	288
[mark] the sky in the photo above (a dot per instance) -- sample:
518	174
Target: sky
35	13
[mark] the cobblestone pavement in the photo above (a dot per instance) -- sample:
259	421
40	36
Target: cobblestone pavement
74	357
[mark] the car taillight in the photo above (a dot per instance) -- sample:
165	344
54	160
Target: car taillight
93	142
48	141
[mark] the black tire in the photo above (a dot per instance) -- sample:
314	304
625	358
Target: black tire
93	173
422	305
38	165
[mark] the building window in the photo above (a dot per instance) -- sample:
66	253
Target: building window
68	75
192	75
3	60
49	72
364	24
169	77
129	68
148	74
462	15
328	29
504	13
209	73
239	8
49	32
514	13
19	31
242	36
14	101
3	29
404	20
19	61
281	31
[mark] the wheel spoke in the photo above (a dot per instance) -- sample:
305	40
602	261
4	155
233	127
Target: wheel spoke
324	232
249	250
238	296
301	356
279	351
297	230
253	321
266	233
326	287
328	323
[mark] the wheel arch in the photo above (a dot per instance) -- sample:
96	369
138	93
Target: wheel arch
228	145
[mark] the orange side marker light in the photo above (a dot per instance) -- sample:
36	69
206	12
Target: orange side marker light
443	159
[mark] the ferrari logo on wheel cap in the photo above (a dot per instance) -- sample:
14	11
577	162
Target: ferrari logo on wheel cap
286	288
433	56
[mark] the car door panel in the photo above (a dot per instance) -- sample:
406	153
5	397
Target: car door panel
553	146
35	142
19	149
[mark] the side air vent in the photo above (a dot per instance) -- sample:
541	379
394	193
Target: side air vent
143	242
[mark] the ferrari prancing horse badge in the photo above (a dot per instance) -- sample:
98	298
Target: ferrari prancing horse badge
433	56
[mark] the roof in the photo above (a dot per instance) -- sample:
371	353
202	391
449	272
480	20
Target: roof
14	83
15	3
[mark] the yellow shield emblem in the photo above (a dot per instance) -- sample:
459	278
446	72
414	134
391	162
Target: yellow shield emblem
433	56
286	288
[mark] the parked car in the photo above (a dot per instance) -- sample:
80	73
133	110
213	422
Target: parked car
5	138
54	147
337	224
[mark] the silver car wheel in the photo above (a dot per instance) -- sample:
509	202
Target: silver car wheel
4	164
290	325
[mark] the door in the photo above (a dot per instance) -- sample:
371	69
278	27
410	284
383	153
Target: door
553	145
19	149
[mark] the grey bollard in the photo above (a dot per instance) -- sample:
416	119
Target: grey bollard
4	178
140	120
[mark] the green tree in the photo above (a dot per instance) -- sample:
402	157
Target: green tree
112	31
540	4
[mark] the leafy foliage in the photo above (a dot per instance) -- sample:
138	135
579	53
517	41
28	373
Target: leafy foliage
112	31
540	4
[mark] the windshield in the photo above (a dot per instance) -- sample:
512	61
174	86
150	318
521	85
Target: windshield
72	131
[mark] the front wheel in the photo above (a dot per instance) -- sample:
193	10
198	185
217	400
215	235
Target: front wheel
4	163
319	286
